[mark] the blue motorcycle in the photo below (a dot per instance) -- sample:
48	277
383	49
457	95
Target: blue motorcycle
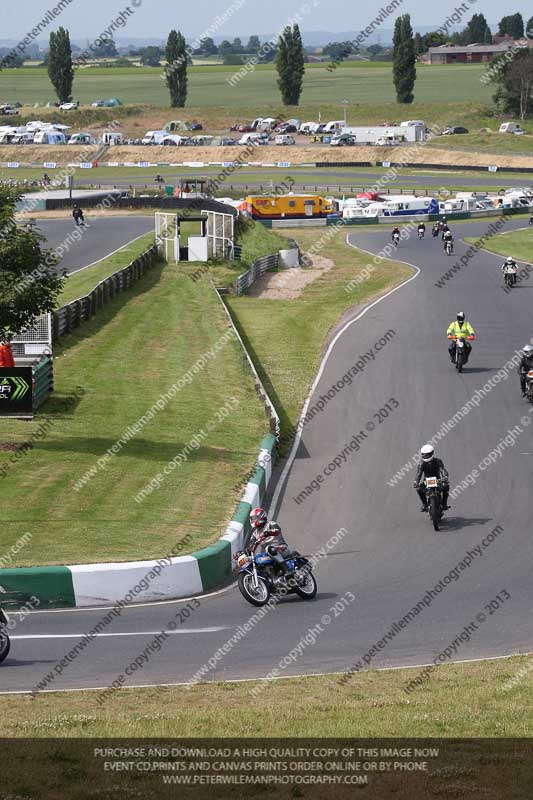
259	576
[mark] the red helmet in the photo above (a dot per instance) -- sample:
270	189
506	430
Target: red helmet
258	518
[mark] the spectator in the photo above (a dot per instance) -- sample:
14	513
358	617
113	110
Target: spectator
6	353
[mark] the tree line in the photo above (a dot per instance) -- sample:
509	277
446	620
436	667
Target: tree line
289	55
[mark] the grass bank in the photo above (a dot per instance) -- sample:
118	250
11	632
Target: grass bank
459	700
124	360
518	244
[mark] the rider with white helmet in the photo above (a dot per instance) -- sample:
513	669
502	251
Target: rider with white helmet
431	467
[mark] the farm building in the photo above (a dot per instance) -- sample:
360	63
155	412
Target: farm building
469	54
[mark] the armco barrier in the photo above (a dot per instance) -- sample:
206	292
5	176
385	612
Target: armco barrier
72	315
257	269
91	585
414	165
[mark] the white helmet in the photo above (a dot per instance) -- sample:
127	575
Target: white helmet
427	452
510	259
528	350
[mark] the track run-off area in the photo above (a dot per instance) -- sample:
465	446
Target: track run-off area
345	496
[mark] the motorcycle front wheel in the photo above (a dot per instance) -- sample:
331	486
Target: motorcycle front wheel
434	512
307	589
459	361
256	595
5	645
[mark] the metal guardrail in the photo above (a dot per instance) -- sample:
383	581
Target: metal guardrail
72	315
257	269
43	381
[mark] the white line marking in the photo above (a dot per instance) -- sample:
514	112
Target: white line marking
299	425
214	629
75	272
265	680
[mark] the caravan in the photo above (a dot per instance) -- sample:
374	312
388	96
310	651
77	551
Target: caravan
49	136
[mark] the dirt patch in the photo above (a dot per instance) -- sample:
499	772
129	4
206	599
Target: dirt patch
9	447
290	283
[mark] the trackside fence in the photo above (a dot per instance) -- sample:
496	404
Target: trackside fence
257	269
74	314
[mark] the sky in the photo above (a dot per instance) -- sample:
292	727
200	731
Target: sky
154	18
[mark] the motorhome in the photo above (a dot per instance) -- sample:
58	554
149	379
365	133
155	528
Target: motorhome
49	136
394	206
112	138
309	128
295	206
516	198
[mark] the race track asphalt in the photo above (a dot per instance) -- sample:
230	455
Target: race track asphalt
98	239
389	557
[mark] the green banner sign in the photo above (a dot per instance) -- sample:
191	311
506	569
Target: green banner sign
16	395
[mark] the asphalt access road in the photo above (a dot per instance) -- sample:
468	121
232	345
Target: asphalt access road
98	239
389	556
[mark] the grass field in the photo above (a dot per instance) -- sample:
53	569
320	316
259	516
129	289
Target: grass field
359	83
131	353
460	700
518	244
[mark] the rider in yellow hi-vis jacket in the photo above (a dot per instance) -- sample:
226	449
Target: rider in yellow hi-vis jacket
460	329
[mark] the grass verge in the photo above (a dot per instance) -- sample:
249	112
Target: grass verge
124	359
460	700
518	244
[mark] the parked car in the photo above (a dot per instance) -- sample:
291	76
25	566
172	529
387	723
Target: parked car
285	139
286	127
195	126
343	140
8	110
69	106
389	141
453	130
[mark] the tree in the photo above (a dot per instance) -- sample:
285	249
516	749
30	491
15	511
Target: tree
476	30
237	46
233	59
404	60
512	25
514	83
60	70
488	36
254	44
207	47
529	28
151	56
176	68
106	49
419	45
290	64
225	48
29	281
434	39
338	51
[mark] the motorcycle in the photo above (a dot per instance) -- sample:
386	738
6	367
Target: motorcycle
258	578
461	354
396	239
435	231
529	386
5	643
448	247
509	278
434	500
421	233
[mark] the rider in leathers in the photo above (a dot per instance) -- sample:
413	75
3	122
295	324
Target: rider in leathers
525	365
274	544
431	467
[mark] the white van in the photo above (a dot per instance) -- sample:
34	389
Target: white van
257	138
335	126
285	138
81	138
154	137
389	141
511	127
112	137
